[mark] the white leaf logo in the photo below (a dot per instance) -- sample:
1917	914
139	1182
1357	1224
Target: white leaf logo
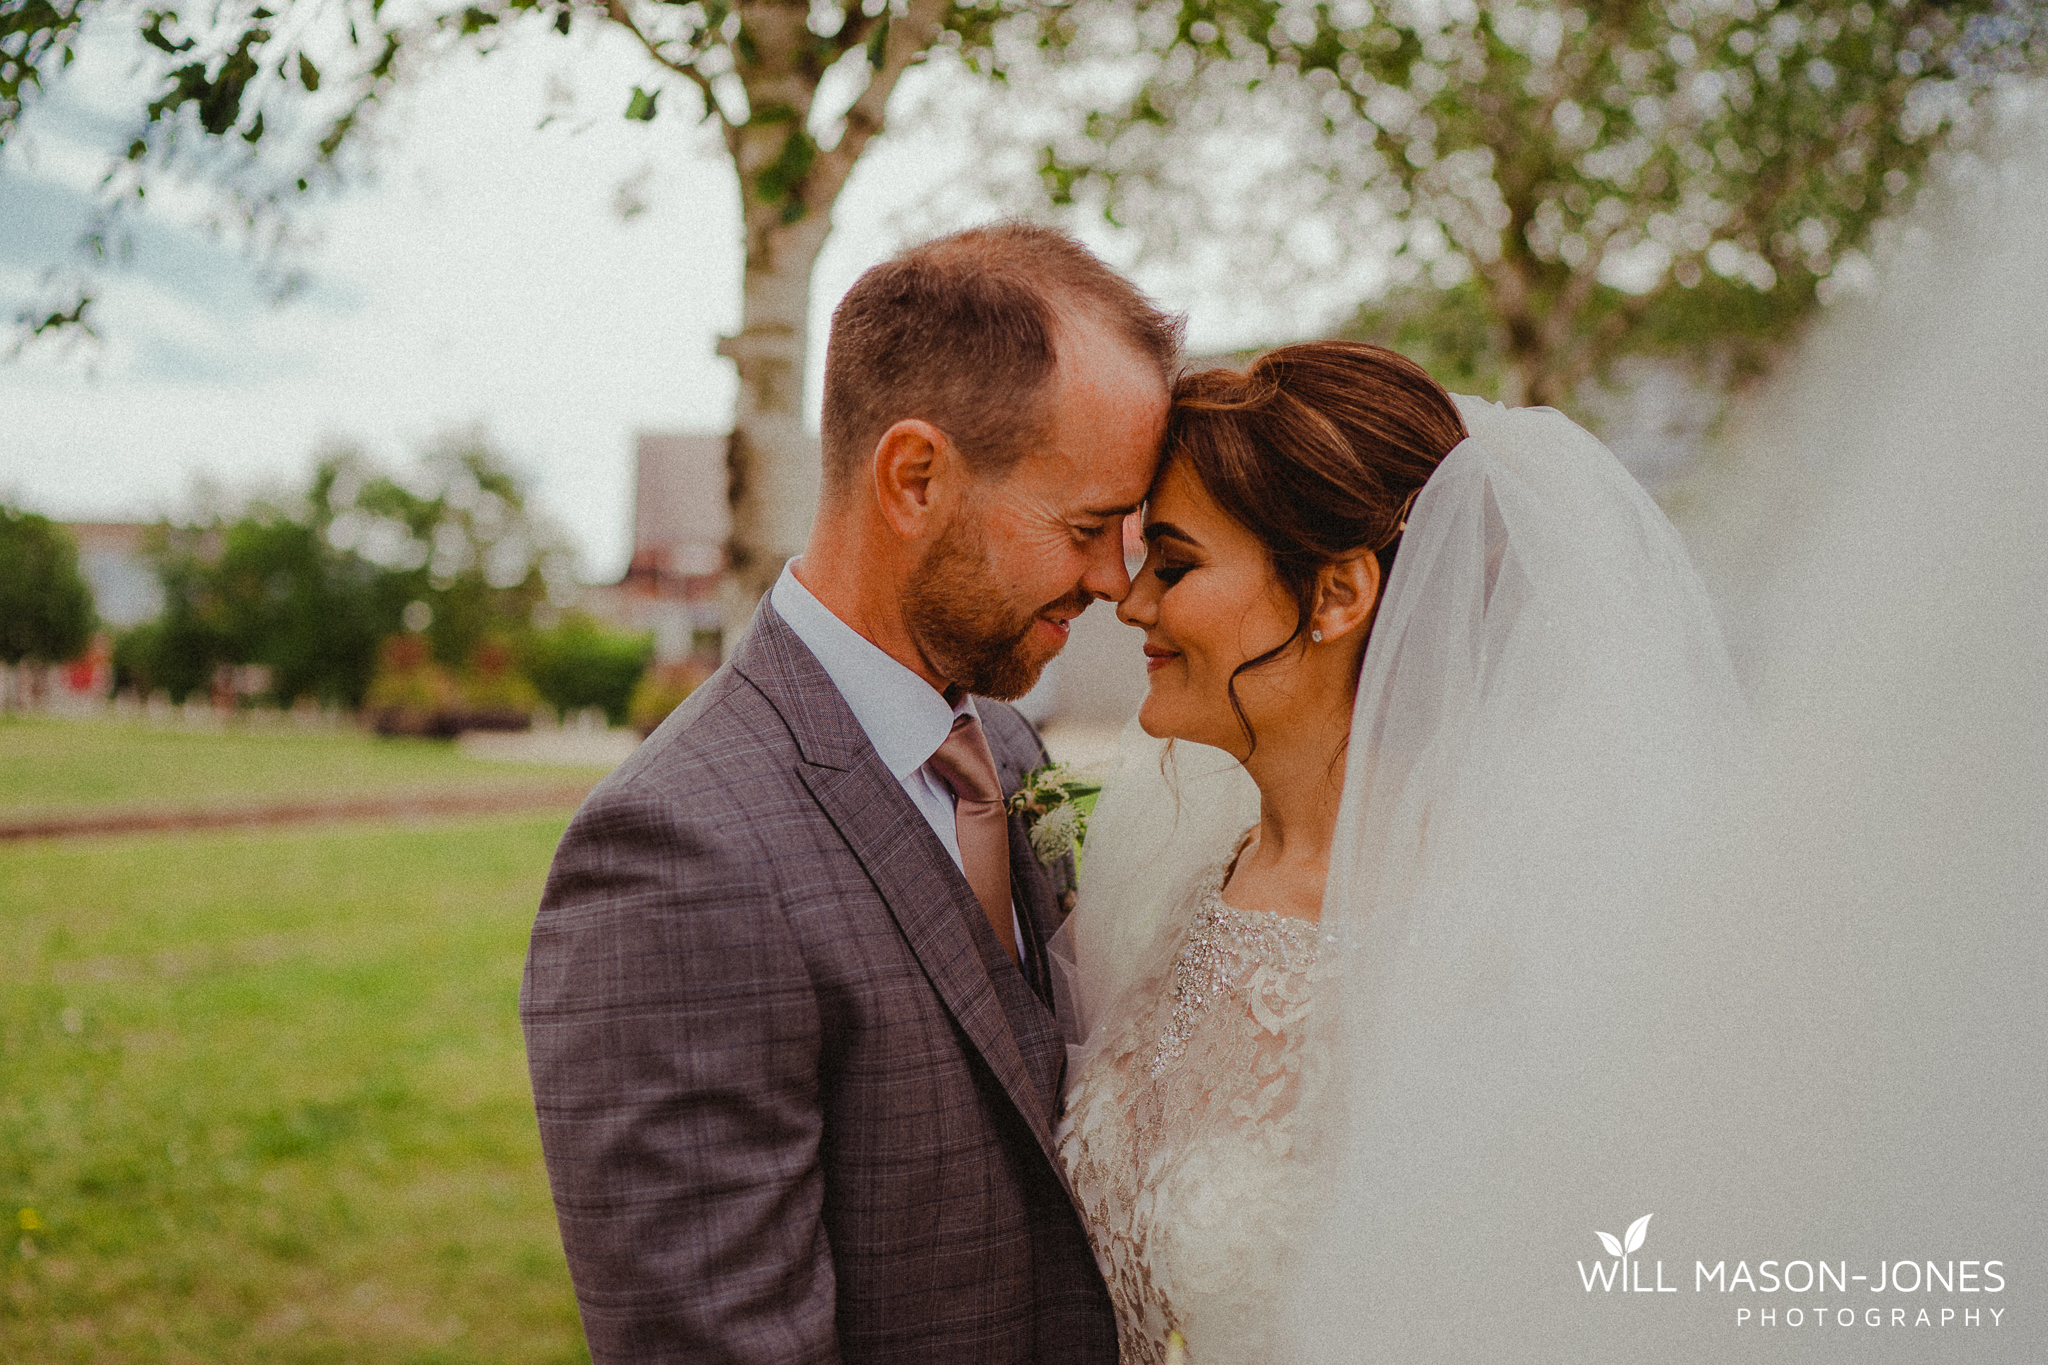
1636	1232
1607	1240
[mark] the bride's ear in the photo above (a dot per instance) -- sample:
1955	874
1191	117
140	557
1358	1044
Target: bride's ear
1346	593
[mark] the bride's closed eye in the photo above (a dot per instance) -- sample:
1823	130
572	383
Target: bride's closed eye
1170	574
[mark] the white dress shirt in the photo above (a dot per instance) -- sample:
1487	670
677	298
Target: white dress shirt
904	717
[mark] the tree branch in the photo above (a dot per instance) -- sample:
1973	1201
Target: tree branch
616	11
910	34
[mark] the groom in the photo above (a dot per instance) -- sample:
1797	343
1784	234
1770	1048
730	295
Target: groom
787	1006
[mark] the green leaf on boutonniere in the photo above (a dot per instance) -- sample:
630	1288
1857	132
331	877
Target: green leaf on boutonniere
1055	802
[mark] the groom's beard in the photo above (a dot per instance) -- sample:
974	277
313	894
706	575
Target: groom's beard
956	612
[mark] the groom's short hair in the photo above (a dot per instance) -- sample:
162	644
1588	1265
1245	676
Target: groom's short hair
961	332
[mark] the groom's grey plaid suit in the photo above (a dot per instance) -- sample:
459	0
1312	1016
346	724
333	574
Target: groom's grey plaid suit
796	1100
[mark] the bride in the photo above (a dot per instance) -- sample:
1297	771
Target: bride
1379	958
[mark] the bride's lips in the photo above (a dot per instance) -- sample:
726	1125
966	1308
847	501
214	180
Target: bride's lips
1157	658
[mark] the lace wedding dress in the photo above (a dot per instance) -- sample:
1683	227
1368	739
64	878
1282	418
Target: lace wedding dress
1390	1134
1180	1133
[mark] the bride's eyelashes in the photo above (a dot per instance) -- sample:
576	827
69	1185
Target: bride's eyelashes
1170	574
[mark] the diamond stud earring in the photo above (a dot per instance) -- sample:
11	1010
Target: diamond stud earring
1316	635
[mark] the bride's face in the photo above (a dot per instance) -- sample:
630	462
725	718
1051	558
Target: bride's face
1208	601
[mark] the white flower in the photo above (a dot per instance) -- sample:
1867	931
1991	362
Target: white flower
1056	833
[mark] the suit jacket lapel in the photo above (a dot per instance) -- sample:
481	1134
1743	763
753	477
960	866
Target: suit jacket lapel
1037	898
908	865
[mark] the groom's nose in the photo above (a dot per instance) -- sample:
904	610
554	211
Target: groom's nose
1106	576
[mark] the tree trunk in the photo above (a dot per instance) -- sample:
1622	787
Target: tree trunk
1513	307
773	463
788	185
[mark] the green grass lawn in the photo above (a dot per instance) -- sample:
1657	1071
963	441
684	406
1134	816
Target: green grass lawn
63	766
263	1095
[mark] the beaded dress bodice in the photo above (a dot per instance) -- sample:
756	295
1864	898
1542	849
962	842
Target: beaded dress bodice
1179	1136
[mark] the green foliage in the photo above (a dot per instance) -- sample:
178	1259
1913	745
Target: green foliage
495	694
241	72
34	35
264	1099
455	535
411	694
237	74
1596	179
1449	332
582	663
779	181
138	659
266	587
46	611
311	589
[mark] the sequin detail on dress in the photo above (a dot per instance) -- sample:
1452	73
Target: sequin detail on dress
1222	944
1180	1134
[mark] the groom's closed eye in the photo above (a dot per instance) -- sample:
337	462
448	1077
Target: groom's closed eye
1099	518
1094	521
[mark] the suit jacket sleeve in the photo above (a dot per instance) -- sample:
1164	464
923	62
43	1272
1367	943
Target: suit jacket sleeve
673	1038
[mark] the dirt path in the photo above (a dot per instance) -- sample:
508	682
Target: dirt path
386	806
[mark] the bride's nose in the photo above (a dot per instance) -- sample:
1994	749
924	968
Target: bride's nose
1140	607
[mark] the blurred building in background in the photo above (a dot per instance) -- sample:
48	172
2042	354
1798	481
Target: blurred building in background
113	558
680	523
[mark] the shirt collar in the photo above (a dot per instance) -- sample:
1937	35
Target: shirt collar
904	717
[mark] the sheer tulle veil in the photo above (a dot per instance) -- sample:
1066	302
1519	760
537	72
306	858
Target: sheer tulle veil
1545	729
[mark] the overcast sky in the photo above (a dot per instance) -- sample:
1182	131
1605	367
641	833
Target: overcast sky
485	276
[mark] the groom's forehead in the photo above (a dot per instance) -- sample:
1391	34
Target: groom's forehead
1108	419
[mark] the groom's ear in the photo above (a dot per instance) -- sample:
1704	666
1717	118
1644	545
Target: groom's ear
908	460
1346	593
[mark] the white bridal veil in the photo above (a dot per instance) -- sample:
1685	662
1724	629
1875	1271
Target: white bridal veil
1545	726
1812	1027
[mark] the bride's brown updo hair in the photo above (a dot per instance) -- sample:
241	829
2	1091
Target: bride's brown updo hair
1317	449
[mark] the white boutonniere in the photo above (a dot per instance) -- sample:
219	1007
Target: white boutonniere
1055	802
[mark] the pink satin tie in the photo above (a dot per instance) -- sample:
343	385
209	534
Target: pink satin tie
982	823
